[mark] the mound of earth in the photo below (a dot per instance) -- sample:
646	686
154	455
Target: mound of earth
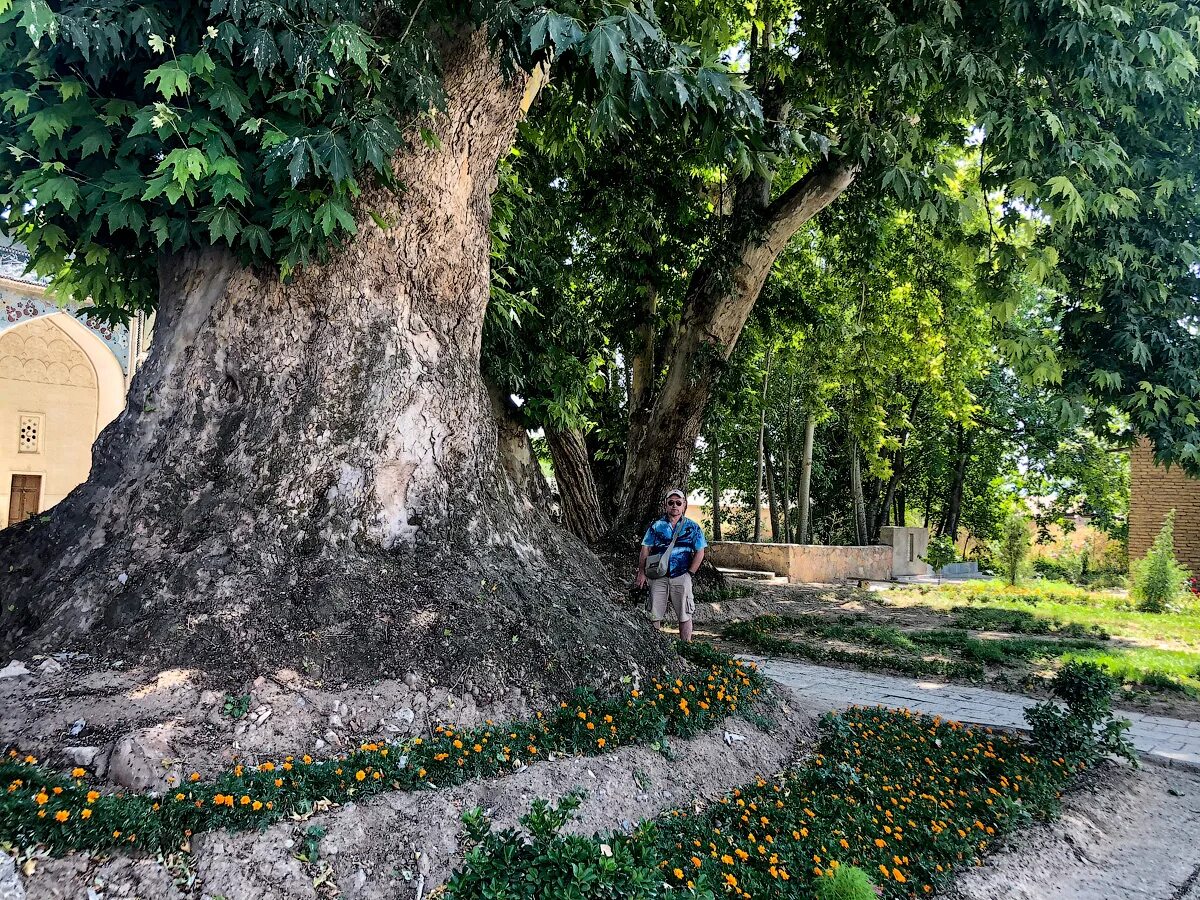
1123	833
401	845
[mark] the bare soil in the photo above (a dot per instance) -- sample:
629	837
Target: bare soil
1019	677
1123	834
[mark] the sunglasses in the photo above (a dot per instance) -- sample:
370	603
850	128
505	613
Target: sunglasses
674	503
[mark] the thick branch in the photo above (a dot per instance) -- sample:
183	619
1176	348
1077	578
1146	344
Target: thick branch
804	199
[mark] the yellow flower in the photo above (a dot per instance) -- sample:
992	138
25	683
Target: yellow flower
62	815
85	814
77	772
678	873
41	797
360	775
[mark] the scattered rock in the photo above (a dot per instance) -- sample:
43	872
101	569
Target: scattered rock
10	882
210	698
137	760
50	667
14	669
732	737
405	715
412	680
77	726
82	756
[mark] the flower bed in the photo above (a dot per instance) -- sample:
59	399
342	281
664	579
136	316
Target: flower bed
901	799
61	812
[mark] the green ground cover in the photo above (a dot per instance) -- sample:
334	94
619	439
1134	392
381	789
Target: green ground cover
901	799
62	812
1154	651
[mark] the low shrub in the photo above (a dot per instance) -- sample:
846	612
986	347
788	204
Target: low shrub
1084	731
64	813
1159	580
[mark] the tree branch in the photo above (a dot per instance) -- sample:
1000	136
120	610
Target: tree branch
804	199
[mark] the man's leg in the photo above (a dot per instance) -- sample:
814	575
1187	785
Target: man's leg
681	601
660	600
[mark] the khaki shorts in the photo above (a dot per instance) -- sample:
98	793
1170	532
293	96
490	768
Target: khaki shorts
677	592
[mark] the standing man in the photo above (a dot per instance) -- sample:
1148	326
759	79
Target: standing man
685	557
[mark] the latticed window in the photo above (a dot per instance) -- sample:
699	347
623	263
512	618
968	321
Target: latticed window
30	434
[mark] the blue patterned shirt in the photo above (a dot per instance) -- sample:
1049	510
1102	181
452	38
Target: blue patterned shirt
691	539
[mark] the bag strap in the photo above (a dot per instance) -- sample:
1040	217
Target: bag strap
674	538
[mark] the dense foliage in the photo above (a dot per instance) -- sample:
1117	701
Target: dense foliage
135	131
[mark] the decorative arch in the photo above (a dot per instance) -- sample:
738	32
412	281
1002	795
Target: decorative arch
58	349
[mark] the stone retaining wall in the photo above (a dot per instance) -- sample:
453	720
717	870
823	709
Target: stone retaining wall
813	563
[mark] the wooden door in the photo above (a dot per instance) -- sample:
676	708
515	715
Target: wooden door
23	497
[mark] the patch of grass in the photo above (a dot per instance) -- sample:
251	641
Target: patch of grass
756	633
63	813
1146	667
723	594
1023	621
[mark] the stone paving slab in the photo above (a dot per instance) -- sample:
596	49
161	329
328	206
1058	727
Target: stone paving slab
1159	739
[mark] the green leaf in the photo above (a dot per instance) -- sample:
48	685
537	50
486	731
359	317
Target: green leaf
51	121
171	79
223	224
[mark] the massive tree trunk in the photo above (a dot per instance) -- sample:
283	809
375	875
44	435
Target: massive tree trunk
310	474
578	498
720	296
715	490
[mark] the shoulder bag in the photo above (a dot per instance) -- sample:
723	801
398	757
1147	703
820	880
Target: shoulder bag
658	565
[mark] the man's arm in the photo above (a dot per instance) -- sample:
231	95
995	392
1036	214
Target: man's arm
696	560
640	578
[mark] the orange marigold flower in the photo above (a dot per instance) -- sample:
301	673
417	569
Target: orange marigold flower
41	797
85	814
77	772
360	775
62	815
599	742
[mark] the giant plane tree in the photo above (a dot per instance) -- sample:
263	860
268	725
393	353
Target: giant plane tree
311	467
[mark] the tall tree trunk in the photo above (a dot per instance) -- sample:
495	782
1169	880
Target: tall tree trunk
856	495
643	367
772	496
762	436
578	498
715	489
310	472
719	298
953	518
786	493
806	462
874	490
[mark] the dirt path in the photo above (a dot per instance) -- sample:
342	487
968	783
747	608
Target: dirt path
1125	835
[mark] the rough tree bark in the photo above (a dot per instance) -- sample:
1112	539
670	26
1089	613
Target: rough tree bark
720	296
578	497
310	473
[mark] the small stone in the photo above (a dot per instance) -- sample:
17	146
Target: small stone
289	844
122	578
82	756
412	680
210	698
319	745
405	715
50	667
14	669
77	726
335	721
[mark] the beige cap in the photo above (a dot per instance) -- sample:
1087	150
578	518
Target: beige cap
675	492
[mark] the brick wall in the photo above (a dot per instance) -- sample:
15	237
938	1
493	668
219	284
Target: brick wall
1153	492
